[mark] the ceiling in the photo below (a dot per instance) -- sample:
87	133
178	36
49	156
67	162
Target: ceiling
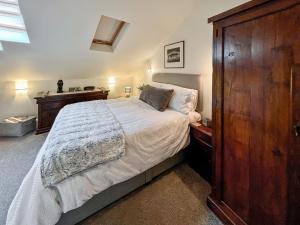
61	32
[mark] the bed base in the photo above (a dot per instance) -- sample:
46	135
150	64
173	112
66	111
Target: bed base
118	191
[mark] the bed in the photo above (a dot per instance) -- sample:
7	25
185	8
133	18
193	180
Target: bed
155	142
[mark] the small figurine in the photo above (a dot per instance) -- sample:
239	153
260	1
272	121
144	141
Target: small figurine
60	85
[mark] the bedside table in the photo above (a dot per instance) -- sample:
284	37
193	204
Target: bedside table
201	150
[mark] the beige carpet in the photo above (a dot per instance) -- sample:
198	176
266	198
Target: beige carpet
177	197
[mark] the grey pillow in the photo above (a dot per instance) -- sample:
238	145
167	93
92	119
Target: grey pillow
158	98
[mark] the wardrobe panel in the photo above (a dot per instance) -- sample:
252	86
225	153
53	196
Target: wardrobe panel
294	154
237	117
269	164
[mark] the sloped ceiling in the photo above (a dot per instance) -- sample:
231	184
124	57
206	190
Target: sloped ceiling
61	32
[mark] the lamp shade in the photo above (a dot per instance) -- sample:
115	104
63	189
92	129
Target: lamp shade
128	90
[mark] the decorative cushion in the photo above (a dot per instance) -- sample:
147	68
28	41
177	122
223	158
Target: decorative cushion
158	98
184	100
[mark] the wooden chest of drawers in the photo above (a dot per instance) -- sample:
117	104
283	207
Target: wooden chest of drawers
49	106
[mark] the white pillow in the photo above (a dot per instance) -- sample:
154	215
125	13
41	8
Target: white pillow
184	100
155	84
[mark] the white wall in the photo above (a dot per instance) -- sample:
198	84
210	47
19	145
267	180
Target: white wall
15	104
197	34
61	34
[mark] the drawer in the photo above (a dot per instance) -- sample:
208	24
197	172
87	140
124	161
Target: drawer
200	146
103	96
47	118
200	159
53	105
202	137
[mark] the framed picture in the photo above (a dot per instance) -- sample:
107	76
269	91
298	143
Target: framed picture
174	55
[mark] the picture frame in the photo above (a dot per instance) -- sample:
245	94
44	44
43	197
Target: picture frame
174	55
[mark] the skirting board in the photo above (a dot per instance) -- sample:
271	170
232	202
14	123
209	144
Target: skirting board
222	211
118	191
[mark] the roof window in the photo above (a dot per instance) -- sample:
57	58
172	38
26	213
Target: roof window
108	34
12	27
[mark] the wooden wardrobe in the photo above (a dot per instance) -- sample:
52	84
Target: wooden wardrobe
256	114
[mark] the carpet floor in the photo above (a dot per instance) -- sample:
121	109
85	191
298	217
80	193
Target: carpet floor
177	197
16	158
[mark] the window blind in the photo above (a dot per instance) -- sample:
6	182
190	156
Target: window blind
12	27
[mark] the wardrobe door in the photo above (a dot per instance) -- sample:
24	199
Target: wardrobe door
294	154
258	57
237	117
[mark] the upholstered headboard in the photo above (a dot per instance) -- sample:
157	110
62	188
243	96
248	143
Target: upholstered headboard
191	81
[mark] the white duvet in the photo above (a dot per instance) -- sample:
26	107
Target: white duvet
151	137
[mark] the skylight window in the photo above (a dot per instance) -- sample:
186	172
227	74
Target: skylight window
108	33
12	27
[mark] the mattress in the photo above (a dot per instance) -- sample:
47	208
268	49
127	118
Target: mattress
151	137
